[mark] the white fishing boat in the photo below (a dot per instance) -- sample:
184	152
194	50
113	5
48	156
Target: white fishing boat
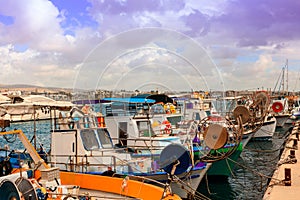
280	110
155	128
31	108
48	183
85	145
266	130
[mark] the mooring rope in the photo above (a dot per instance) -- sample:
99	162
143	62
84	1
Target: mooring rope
197	194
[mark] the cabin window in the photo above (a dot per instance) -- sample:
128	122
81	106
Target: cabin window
197	116
89	139
144	128
174	119
104	138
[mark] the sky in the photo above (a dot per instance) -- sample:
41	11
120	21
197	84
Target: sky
165	45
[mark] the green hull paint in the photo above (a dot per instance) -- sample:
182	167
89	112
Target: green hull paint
226	166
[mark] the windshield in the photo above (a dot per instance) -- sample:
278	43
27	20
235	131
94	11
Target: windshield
89	139
95	139
104	138
174	119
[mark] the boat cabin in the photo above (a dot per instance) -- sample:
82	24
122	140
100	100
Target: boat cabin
83	144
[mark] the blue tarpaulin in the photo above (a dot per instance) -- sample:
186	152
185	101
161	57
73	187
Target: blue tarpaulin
129	100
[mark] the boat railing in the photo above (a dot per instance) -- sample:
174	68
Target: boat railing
146	143
80	163
86	121
103	164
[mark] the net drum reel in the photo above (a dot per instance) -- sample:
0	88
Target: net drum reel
242	112
215	136
26	188
259	109
8	190
19	190
260	106
220	138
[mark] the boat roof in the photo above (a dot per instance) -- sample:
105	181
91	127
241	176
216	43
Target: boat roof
4	98
231	98
129	100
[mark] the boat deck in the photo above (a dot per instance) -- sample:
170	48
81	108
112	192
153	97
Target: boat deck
285	183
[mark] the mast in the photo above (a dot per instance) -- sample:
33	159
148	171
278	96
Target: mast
287	76
282	80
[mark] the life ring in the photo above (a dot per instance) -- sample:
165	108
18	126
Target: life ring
215	118
277	107
124	185
168	127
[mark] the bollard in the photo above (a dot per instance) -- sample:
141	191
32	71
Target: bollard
292	154
287	177
295	144
297	135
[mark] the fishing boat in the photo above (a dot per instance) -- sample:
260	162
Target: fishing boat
85	145
294	107
280	110
44	182
155	128
266	129
30	108
255	125
203	112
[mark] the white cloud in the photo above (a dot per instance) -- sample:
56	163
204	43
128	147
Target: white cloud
36	23
39	25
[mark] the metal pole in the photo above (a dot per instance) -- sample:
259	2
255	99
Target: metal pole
34	127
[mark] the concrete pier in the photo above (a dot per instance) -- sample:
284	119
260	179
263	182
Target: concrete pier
285	182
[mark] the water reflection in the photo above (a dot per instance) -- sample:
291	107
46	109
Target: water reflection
217	189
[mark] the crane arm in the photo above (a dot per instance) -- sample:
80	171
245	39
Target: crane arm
38	161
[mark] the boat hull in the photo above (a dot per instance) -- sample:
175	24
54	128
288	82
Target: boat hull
281	120
225	166
121	186
266	131
189	181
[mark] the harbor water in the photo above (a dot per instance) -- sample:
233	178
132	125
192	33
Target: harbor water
249	178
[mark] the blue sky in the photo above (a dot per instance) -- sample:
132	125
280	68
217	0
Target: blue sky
150	44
